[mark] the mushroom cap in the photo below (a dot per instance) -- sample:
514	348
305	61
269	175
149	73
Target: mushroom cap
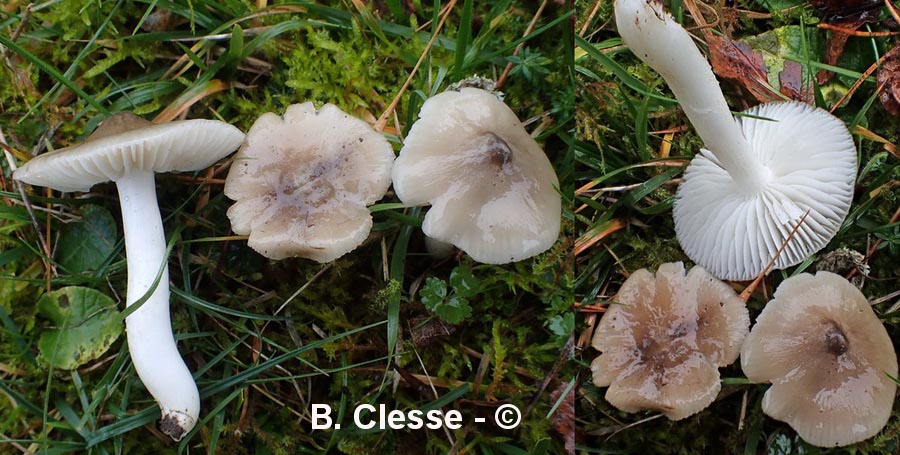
811	161
124	143
302	182
490	186
664	338
828	358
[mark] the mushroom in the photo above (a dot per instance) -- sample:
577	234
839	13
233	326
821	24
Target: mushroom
757	176
302	183
491	188
128	150
664	338
830	360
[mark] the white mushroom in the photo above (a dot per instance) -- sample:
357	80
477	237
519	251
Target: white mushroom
302	183
128	150
491	188
757	176
829	359
664	339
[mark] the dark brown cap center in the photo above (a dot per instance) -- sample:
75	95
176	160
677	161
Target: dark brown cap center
836	342
496	150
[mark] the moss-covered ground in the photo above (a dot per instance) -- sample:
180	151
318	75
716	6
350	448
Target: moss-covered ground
265	339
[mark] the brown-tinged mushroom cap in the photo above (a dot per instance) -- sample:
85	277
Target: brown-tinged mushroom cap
124	143
491	187
302	182
828	358
664	338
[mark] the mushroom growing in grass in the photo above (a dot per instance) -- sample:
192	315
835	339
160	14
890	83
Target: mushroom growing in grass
302	182
664	338
491	188
757	175
829	358
128	150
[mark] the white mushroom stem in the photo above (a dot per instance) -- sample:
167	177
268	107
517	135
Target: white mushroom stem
663	44
150	339
438	249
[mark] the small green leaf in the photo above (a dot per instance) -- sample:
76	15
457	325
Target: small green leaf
433	293
563	325
463	282
454	310
434	296
87	244
86	323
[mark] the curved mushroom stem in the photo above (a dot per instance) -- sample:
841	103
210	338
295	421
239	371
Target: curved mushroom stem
150	340
663	44
438	249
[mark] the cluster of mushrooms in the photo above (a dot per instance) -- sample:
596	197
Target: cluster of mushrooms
302	182
781	176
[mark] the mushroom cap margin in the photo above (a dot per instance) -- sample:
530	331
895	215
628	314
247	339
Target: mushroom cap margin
185	145
647	310
830	400
302	182
496	213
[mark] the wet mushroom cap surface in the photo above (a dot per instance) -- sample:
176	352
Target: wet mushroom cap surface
491	188
663	339
302	182
828	357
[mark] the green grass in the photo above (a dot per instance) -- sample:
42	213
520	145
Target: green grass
344	333
624	110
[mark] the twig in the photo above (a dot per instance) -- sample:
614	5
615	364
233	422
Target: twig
590	18
851	32
745	296
564	356
875	245
379	125
28	208
528	30
858	83
893	10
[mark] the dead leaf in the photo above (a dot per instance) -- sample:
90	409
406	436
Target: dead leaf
427	331
738	62
888	78
791	81
847	14
564	417
836	10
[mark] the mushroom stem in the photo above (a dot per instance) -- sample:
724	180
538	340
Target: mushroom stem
150	339
663	44
437	248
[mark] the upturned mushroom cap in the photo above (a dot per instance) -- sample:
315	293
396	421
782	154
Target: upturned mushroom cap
302	182
810	163
758	174
125	142
490	186
664	338
828	358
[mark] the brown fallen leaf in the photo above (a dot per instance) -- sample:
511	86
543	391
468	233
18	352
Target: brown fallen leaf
846	14
841	9
738	62
888	78
427	331
564	417
791	81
